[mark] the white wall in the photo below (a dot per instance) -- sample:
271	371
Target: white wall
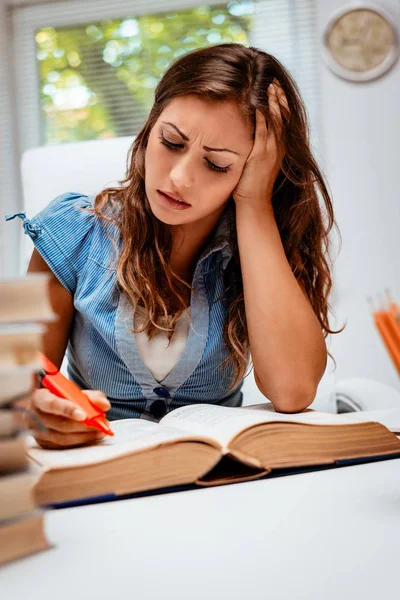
361	131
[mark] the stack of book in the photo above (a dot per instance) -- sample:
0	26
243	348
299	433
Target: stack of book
387	321
24	307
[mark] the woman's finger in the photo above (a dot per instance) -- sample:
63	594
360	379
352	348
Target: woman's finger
61	424
49	403
274	107
281	95
260	138
98	398
62	440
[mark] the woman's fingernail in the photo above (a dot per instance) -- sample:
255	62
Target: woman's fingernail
79	414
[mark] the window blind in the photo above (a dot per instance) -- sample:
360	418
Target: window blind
88	70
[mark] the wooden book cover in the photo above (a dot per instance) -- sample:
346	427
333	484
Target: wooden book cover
22	536
13	453
17	494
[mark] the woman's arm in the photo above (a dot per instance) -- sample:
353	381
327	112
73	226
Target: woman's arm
286	341
55	340
61	418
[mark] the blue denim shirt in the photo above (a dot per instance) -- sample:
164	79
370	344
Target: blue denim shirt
102	352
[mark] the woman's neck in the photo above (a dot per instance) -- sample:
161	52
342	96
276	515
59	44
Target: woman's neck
189	240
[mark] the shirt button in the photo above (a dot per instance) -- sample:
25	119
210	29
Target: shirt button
162	392
158	409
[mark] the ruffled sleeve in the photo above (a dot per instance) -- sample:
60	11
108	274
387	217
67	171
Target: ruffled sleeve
62	234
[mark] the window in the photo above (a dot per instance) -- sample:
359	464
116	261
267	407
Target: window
97	80
87	70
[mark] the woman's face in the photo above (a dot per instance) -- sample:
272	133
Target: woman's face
196	150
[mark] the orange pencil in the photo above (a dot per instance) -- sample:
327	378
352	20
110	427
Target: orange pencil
393	307
393	311
385	328
62	387
394	328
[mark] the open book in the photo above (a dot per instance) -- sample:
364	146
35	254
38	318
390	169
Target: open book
210	445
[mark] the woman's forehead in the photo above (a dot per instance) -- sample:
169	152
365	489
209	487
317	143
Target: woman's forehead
212	119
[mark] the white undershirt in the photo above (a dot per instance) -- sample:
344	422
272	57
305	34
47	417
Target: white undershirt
158	357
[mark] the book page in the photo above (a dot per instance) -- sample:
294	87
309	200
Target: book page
223	423
131	435
389	417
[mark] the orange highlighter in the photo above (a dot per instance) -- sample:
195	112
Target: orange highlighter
51	378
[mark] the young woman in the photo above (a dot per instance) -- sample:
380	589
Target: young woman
215	246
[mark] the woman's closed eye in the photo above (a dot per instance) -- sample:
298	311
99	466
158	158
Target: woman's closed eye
172	146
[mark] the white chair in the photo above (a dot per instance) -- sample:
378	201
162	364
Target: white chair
90	166
85	167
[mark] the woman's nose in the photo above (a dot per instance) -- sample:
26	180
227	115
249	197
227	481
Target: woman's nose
183	172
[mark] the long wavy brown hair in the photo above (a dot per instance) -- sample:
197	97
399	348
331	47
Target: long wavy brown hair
301	201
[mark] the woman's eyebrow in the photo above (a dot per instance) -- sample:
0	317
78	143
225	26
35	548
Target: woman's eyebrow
207	148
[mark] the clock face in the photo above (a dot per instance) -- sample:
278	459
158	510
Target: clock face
360	40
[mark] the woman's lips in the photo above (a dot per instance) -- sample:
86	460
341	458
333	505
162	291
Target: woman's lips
173	196
171	203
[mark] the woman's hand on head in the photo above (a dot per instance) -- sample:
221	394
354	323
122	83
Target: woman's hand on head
58	423
264	162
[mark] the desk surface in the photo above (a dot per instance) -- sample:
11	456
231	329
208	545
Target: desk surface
329	534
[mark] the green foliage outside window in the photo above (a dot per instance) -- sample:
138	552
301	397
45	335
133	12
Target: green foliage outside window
97	80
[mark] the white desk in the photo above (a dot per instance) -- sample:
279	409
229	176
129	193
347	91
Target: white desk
330	535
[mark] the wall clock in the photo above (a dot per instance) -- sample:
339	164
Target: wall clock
360	42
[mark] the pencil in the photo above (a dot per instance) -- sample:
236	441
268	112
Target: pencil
393	307
384	324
